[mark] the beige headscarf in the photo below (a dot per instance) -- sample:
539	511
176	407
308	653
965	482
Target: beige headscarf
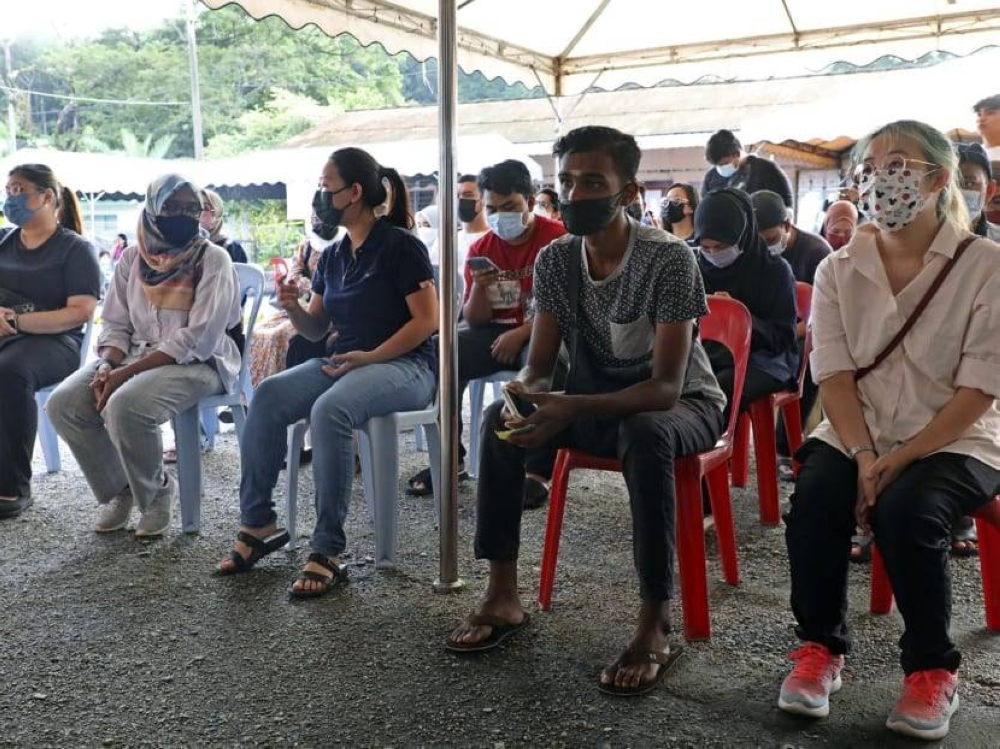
213	200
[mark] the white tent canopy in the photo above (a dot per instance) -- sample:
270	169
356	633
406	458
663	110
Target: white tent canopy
571	45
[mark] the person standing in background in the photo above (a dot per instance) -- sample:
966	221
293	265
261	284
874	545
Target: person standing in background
733	167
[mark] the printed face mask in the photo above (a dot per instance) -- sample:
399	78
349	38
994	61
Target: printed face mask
722	258
507	225
892	198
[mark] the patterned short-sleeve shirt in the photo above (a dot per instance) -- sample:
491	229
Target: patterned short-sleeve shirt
657	281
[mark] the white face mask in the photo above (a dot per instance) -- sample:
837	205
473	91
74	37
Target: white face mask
507	225
427	235
726	170
974	200
722	258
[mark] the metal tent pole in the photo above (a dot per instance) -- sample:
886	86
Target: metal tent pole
450	412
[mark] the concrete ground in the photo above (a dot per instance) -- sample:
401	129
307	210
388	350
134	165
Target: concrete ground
109	641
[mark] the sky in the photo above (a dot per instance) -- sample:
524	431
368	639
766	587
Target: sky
76	18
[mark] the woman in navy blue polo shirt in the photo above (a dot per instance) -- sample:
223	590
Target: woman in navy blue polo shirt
376	286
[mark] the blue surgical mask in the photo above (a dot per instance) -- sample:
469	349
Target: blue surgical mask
726	170
723	258
16	209
975	201
507	225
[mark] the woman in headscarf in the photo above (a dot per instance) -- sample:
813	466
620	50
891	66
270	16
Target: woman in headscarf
735	263
163	347
427	223
840	223
212	220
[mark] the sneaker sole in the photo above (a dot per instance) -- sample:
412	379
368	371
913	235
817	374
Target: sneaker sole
111	529
821	711
928	734
139	533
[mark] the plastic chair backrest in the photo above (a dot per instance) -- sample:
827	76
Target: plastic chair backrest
803	307
88	334
728	323
251	280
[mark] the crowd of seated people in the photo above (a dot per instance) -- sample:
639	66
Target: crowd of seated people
596	306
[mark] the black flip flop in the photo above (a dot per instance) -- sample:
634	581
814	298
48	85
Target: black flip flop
502	629
426	484
259	548
327	582
665	661
536	494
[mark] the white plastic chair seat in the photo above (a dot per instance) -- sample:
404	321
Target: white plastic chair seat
378	440
477	389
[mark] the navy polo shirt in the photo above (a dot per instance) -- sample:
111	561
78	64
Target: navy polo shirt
364	293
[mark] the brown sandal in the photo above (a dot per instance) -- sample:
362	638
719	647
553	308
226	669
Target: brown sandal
502	629
327	583
665	661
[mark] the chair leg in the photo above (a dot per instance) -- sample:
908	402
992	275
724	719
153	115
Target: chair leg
989	561
793	430
47	435
725	531
880	599
433	436
210	423
239	420
765	449
691	551
367	474
383	440
187	437
476	388
553	528
741	451
296	438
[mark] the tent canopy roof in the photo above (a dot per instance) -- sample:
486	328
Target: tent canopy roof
570	46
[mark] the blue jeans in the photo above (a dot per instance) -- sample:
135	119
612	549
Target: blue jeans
335	407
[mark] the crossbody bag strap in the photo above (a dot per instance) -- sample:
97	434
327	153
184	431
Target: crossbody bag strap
915	315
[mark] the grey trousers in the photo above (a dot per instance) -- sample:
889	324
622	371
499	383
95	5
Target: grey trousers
122	446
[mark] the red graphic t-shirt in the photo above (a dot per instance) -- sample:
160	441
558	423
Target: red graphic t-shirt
511	296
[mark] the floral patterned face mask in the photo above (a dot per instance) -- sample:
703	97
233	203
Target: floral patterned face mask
890	197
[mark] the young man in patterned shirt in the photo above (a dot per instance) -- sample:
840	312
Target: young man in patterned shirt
625	299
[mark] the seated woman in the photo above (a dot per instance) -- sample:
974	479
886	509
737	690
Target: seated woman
911	441
163	347
677	212
376	286
734	262
49	286
840	223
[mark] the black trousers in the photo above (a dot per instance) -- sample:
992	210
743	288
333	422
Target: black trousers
475	360
756	384
646	444
27	364
911	523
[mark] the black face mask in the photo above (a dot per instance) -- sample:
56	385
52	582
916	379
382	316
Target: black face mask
634	210
177	230
467	210
583	217
323	231
673	213
327	213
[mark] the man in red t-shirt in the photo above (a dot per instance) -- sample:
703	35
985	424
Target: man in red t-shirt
497	307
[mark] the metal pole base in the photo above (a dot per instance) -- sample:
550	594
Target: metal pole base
452	587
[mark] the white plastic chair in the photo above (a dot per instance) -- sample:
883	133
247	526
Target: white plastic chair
476	392
46	432
186	423
379	452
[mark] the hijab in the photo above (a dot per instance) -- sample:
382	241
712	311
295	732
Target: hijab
840	212
212	199
168	273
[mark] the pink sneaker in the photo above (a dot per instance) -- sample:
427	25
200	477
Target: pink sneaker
807	690
925	708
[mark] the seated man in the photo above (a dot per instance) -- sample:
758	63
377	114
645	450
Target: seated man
496	325
625	298
803	252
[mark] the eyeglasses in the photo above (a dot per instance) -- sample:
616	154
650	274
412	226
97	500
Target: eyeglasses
864	173
10	192
173	208
676	201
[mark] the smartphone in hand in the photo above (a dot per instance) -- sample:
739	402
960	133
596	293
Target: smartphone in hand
480	264
516	405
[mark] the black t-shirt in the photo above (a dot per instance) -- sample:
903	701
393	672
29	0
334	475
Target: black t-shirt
365	293
236	252
755	174
64	266
805	254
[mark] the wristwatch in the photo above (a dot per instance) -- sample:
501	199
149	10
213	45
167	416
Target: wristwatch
855	451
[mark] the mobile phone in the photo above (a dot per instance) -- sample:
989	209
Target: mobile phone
506	434
280	268
516	405
481	264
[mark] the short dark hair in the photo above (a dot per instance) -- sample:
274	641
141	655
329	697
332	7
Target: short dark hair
506	178
722	144
975	154
690	192
466	178
621	147
551	195
990	102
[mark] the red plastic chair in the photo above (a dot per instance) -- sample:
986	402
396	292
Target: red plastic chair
728	322
760	413
988	529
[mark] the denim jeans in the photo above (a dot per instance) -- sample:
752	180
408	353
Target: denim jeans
335	407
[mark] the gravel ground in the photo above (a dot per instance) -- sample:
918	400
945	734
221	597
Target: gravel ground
109	641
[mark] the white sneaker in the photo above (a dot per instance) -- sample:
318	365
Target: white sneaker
156	519
113	516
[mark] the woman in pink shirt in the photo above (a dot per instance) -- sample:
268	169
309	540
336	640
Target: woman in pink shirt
910	439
